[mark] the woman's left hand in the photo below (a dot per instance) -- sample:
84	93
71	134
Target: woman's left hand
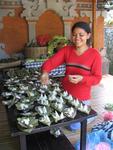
75	78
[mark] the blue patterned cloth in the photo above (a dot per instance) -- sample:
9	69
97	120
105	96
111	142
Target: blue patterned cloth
106	126
59	71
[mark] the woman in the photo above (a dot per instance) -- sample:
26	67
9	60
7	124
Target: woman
83	64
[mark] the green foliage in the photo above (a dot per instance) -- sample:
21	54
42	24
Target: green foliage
55	43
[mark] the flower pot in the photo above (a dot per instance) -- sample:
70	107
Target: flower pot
35	52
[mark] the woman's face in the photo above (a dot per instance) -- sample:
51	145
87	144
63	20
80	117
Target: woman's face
80	37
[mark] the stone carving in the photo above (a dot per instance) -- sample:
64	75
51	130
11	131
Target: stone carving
32	8
14	3
7	12
85	13
66	7
72	10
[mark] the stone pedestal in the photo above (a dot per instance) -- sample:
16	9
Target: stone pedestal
67	26
32	32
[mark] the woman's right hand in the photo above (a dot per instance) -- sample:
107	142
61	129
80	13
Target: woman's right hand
44	78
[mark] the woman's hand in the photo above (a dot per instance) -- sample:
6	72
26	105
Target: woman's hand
44	78
75	78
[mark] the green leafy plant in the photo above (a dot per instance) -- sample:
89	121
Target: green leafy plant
56	43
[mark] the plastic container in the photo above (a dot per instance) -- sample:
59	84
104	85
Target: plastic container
74	126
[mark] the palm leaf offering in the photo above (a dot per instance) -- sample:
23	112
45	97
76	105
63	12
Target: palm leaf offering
27	123
109	106
37	104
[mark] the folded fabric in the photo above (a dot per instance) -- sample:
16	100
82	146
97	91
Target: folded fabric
107	127
96	140
37	64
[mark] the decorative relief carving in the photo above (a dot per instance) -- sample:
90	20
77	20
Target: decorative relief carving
69	7
86	13
7	12
89	14
34	8
10	3
101	13
84	5
85	10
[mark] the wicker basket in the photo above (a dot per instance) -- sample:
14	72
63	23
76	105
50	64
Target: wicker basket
35	52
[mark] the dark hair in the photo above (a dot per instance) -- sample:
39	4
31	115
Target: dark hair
83	25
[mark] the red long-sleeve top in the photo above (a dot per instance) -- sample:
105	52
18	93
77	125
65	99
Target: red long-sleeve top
88	65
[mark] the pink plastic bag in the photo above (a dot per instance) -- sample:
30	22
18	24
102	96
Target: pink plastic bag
102	146
108	116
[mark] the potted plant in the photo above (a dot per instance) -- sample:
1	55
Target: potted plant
38	47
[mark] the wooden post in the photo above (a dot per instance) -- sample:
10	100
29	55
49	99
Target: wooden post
94	6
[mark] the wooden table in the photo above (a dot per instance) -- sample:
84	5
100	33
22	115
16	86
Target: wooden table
40	138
